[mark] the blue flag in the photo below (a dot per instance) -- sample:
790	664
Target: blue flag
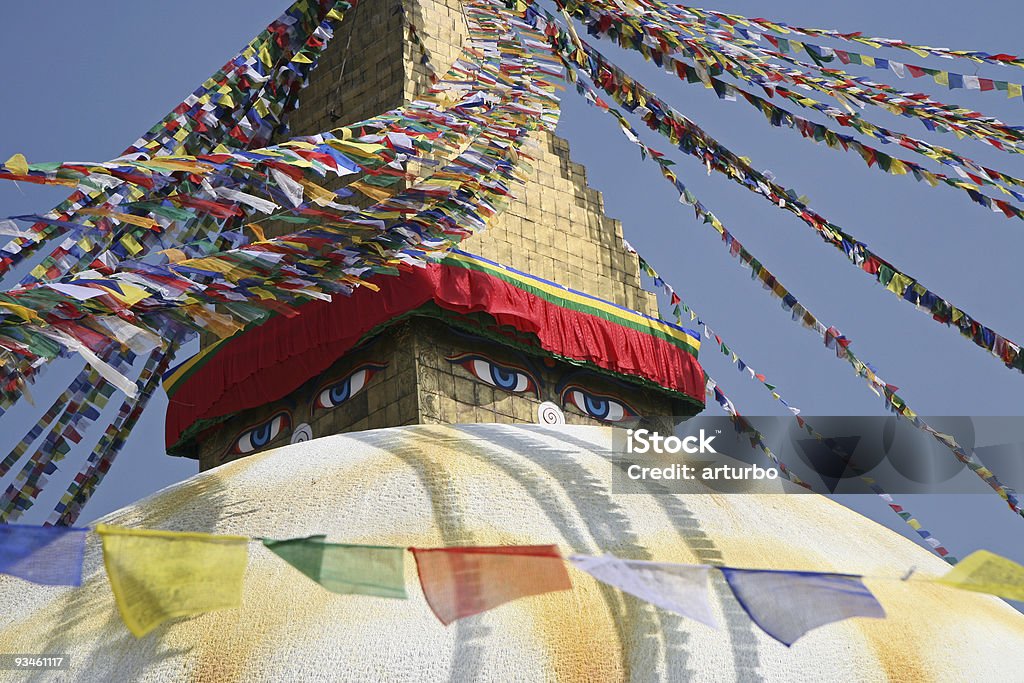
786	605
50	555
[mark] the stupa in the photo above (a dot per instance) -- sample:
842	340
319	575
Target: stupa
401	417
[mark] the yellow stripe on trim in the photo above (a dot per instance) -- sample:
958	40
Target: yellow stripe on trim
585	299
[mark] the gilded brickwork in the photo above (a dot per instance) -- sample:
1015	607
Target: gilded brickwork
383	55
555	229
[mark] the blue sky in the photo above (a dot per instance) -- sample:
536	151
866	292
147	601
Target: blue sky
83	80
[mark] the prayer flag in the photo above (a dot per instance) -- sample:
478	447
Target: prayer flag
17	164
986	572
786	605
679	588
340	568
159	575
49	555
460	582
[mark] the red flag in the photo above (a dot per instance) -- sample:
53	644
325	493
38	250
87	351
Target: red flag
460	582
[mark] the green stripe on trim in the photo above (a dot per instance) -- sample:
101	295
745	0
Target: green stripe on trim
574	304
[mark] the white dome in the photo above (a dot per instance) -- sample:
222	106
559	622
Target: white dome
491	485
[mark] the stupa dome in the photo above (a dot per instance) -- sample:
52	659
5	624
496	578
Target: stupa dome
481	484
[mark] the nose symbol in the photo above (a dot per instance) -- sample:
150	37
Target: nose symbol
302	433
550	414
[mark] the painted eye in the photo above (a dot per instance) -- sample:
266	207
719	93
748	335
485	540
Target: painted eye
509	378
598	406
337	393
261	435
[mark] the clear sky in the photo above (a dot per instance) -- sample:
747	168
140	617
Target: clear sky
82	80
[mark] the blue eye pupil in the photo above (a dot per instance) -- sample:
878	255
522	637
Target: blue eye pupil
503	377
339	392
261	435
598	407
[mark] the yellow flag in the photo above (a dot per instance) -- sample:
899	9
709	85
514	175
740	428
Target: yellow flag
264	55
174	255
129	294
221	325
21	311
159	575
318	194
899	283
377	194
257	230
133	247
365	148
262	293
131	219
17	164
1013	90
897	167
986	572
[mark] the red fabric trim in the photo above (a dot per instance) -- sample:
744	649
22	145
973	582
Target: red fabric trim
271	361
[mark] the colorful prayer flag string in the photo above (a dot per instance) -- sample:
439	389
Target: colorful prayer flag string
716	392
699	144
159	575
832	337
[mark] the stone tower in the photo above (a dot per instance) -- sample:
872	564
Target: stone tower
383	55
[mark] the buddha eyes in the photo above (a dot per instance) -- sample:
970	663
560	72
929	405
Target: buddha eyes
518	380
262	434
333	395
597	406
329	396
509	378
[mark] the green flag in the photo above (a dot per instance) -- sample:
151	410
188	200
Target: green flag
341	568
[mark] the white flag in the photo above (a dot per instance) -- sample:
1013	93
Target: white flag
679	588
258	203
291	188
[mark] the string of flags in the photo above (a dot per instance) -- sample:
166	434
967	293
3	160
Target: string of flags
735	20
242	105
691	139
158	575
753	62
470	132
832	337
845	117
179	283
660	116
653	36
715	391
777	116
823	55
